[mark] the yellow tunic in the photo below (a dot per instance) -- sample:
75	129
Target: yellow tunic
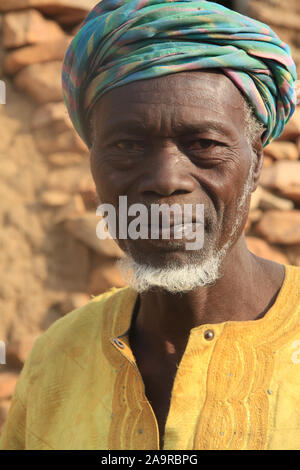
81	389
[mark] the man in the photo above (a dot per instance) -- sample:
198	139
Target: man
176	101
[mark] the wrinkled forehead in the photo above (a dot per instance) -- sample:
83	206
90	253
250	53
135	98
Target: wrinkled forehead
187	94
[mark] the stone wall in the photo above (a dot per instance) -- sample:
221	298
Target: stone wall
51	261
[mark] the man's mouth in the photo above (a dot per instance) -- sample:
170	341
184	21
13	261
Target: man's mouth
180	231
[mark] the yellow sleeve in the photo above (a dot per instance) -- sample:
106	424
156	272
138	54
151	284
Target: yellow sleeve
13	435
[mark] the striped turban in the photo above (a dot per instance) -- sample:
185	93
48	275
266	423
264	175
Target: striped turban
122	41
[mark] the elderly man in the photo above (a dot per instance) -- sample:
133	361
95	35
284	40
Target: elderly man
175	101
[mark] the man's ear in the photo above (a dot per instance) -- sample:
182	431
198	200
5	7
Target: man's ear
258	151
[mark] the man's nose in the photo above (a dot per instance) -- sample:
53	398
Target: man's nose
167	174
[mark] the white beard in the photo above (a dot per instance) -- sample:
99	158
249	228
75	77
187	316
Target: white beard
142	277
180	279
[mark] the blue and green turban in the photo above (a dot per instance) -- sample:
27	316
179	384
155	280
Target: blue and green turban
122	41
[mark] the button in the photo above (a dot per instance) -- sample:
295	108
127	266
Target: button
118	343
209	335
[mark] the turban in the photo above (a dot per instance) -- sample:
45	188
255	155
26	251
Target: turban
122	41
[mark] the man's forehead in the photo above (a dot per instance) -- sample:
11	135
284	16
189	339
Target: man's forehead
199	85
185	94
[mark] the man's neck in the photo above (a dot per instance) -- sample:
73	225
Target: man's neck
246	291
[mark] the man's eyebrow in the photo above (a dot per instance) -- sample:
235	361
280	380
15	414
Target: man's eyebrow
140	127
205	125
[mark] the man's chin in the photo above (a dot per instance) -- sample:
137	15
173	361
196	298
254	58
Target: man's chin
175	274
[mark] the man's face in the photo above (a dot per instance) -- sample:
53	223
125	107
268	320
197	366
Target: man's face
174	139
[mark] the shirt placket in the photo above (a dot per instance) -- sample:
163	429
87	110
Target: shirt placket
199	347
121	345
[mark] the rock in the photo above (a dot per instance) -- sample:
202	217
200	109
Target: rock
263	199
280	227
65	159
74	208
281	175
292	193
17	351
69	18
37	53
278	17
269	201
28	27
268	161
262	249
292	128
8	382
255	198
66	12
104	277
84	228
255	215
53	130
47	141
41	81
2	55
284	177
52	115
54	198
4	409
71	180
282	150
73	301
50	7
298	144
28	223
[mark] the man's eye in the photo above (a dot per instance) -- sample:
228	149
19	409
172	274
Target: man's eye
130	145
202	144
